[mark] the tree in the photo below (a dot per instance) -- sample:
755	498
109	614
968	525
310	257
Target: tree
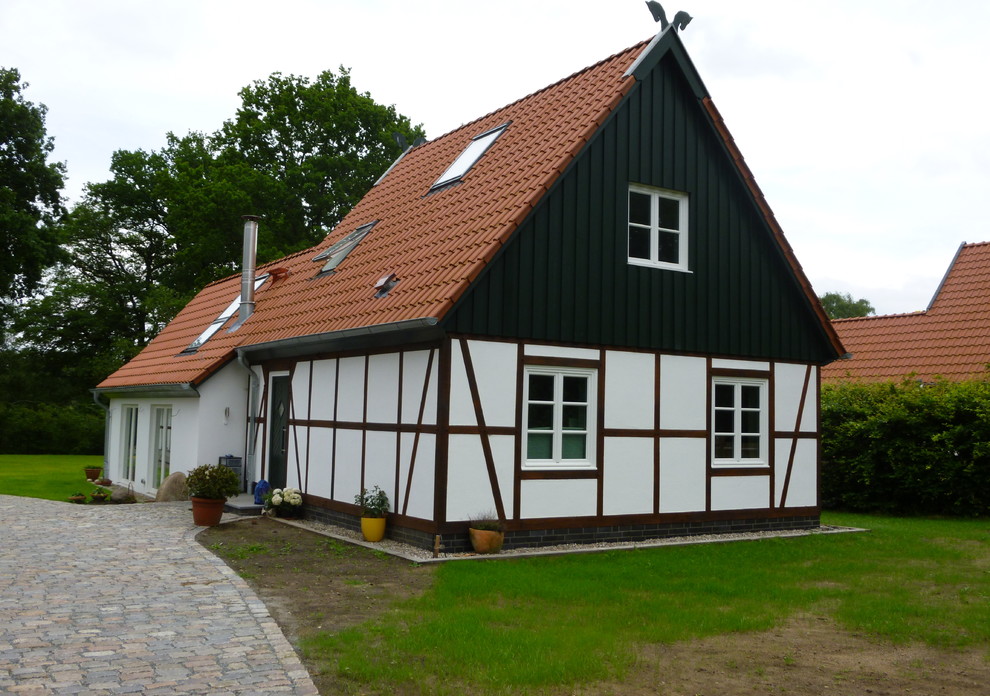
30	191
842	306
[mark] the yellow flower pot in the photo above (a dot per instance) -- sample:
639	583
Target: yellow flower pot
373	528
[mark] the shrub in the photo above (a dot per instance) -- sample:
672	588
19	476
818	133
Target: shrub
213	481
907	448
44	428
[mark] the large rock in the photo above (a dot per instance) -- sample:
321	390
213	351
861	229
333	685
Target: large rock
173	489
122	495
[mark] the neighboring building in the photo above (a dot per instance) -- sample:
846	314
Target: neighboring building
577	311
950	339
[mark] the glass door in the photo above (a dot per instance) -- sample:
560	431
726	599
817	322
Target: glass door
161	455
128	459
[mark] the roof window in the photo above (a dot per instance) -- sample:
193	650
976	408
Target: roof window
218	323
339	251
472	153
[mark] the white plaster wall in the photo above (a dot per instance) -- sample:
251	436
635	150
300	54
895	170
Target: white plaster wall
414	368
561	352
809	420
300	391
295	458
740	492
682	474
495	370
461	403
803	488
350	392
722	364
683	393
630	380
788	382
383	388
379	463
320	452
347	466
469	489
559	498
628	476
324	384
421	489
221	416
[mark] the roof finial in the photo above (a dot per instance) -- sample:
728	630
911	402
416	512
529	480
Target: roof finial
681	19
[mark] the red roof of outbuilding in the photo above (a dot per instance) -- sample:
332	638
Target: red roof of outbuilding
951	339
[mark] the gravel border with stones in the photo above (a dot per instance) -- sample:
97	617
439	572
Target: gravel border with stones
416	554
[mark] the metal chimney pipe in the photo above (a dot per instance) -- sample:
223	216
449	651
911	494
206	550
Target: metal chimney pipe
248	266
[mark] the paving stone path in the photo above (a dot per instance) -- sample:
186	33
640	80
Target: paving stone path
121	599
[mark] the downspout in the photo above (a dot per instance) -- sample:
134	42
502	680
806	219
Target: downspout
106	432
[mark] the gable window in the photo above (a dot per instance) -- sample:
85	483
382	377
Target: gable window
559	415
339	251
472	153
739	422
658	228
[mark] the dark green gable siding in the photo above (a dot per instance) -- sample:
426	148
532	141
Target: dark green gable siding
564	275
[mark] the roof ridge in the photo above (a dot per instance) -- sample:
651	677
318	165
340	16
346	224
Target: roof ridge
920	312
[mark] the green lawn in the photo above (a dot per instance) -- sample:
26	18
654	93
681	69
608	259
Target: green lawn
48	476
522	626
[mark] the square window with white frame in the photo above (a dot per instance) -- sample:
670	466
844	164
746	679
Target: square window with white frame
559	417
658	228
739	422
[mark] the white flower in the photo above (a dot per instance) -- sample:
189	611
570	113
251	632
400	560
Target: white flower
295	499
276	499
277	491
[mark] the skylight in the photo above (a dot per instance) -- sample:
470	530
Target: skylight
472	153
339	251
218	323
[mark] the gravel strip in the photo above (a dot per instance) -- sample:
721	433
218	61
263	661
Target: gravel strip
420	555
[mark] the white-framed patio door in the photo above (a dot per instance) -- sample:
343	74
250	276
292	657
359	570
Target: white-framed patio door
161	453
128	449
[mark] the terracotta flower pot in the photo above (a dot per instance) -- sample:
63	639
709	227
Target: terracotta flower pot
486	541
207	511
93	472
373	528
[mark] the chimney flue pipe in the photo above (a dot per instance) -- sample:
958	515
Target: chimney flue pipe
248	266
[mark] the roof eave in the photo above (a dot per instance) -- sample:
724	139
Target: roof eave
150	391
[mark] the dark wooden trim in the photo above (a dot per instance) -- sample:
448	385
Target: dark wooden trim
794	442
708	434
364	418
419	429
488	429
735	372
333	447
656	426
545	474
547	361
789	435
398	436
771	422
443	435
742	471
600	436
309	430
655	433
520	439
263	421
479	414
369	427
295	431
394	518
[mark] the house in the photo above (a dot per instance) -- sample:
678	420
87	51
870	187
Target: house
577	311
950	339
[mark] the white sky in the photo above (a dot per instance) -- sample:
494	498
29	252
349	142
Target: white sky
865	122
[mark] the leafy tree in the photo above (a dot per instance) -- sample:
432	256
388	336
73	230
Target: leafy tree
842	306
30	191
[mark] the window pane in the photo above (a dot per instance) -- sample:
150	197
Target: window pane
576	389
751	422
725	395
575	447
750	447
750	396
670	247
670	213
539	446
639	243
639	208
540	417
724	422
723	447
575	418
541	387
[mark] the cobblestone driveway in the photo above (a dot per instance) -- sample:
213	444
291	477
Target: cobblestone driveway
121	599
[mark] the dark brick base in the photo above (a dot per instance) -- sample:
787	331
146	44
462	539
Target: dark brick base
459	542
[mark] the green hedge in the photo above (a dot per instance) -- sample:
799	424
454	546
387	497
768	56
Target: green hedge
907	448
44	428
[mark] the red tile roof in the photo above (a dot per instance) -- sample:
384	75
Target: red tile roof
950	339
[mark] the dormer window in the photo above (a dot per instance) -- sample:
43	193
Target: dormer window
472	153
218	323
339	251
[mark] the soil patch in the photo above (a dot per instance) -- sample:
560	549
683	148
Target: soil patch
312	583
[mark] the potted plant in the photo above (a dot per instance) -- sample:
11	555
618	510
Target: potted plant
374	506
209	487
100	495
92	472
487	533
78	497
283	502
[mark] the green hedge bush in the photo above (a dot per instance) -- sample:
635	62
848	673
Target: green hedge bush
907	448
44	428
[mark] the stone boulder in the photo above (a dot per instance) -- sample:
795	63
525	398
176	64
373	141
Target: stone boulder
122	495
173	489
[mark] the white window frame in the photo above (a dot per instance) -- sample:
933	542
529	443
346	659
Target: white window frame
654	228
130	415
557	461
472	153
737	460
161	444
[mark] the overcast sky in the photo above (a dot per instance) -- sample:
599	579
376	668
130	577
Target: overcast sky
865	122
